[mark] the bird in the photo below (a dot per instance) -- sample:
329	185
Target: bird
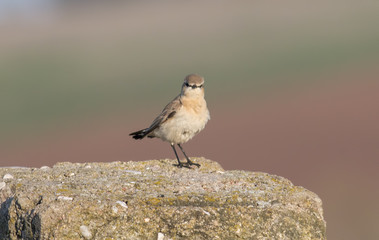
181	119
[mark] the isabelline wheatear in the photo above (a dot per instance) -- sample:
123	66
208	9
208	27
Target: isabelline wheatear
184	117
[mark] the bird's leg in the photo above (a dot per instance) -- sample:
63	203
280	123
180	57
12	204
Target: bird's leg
180	164
189	162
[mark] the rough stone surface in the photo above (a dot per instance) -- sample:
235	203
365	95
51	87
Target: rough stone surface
154	200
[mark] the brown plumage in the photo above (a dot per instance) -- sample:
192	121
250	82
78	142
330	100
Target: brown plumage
181	119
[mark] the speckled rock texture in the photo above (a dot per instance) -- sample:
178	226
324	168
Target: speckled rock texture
154	200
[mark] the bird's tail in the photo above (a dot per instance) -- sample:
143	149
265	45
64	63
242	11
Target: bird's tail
140	134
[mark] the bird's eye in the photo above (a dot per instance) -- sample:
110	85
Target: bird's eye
193	86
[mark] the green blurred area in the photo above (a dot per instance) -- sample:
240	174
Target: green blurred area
57	77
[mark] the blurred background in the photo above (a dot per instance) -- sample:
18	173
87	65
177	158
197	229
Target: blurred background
292	87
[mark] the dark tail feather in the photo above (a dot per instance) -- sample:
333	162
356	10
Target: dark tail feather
140	134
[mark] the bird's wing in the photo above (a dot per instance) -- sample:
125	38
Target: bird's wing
167	113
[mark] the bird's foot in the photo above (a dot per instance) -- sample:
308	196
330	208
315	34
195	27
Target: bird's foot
189	163
181	165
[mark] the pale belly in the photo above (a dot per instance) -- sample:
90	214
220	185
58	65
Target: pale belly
182	127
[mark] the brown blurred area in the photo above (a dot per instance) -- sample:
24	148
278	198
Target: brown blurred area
292	89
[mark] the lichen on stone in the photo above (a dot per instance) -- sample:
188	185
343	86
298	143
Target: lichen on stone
139	200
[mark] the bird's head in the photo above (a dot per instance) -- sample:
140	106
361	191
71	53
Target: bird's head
193	86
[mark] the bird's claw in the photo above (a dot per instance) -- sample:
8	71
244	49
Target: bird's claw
188	164
181	165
